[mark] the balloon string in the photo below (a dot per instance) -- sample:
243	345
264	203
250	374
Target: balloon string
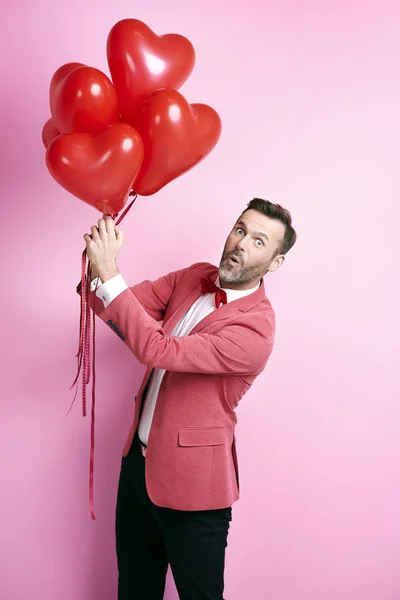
86	349
115	216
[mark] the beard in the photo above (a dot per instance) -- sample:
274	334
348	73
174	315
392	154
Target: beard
238	273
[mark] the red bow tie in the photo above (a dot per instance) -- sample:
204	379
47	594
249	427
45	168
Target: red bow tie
209	287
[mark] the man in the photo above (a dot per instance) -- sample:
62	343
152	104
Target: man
205	334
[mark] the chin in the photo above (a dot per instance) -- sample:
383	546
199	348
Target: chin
228	276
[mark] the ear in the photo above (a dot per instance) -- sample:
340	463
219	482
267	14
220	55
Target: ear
276	263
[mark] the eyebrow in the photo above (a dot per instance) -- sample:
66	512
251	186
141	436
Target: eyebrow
264	235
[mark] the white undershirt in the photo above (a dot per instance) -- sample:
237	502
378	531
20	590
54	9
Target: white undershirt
205	305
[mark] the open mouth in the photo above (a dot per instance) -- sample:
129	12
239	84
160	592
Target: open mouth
233	260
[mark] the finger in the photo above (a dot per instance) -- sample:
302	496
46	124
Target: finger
95	232
102	228
87	238
109	224
119	235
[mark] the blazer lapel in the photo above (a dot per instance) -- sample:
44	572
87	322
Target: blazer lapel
169	325
225	311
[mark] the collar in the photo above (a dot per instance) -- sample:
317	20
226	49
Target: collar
236	294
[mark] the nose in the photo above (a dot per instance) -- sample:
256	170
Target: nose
242	244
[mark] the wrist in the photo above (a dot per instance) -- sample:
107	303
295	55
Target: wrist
107	272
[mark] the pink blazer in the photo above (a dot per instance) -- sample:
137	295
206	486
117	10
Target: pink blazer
191	461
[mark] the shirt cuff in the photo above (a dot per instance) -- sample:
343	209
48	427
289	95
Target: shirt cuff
94	283
108	291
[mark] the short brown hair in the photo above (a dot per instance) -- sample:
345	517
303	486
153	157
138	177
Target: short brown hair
276	211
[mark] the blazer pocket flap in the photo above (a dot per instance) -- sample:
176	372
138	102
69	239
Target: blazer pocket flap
212	436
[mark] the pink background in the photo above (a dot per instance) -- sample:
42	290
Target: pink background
309	95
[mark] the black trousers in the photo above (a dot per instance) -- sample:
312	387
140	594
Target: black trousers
150	537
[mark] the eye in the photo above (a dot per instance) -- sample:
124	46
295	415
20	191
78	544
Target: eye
259	243
240	231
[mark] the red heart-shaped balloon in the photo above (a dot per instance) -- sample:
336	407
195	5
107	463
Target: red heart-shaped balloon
176	136
49	132
61	74
142	62
99	170
82	100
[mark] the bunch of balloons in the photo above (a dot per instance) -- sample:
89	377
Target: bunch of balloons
133	132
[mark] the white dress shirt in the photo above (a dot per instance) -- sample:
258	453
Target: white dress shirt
205	305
